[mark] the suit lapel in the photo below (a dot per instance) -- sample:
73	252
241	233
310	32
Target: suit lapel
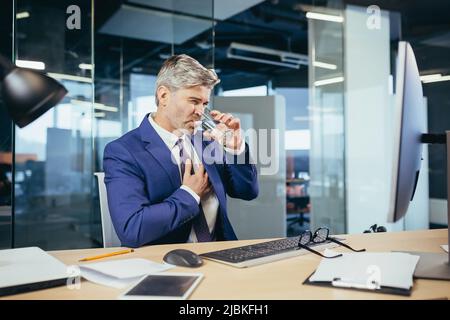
158	149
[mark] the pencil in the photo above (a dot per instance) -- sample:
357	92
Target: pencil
107	255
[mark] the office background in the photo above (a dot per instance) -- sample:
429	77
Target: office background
326	85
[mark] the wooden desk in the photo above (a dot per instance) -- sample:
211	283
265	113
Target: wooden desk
278	280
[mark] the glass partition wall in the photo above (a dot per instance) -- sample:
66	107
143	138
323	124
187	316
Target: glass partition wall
6	133
54	155
109	64
287	67
326	110
56	197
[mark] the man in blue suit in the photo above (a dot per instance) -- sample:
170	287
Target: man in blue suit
167	182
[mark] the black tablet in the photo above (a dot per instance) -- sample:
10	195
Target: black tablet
174	286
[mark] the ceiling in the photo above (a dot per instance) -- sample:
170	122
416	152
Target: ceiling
137	35
268	24
275	24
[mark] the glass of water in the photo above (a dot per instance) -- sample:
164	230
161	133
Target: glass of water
222	133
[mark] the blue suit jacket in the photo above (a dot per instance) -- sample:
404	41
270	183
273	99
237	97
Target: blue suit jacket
146	203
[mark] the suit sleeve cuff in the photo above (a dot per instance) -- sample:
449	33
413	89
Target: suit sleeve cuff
191	192
236	152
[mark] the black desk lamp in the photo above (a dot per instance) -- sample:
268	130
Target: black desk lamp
27	94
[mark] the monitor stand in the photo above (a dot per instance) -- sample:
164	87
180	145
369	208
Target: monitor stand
433	266
436	265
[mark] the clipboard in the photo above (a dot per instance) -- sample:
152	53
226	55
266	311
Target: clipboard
337	284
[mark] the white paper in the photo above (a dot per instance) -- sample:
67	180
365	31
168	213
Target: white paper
445	247
392	269
120	273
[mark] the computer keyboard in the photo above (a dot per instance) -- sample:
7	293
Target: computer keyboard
263	252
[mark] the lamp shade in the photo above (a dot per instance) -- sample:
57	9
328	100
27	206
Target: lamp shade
28	94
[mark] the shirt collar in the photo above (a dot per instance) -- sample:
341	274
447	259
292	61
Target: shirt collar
168	137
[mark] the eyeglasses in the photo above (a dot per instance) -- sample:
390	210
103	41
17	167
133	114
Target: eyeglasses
321	235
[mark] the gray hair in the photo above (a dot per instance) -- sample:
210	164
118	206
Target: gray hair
182	71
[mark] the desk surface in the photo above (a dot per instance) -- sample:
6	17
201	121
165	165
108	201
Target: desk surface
277	280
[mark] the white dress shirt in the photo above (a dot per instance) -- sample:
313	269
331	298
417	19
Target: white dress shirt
210	203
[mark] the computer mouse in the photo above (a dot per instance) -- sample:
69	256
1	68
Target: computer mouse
183	258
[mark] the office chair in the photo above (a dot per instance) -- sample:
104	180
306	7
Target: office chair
109	235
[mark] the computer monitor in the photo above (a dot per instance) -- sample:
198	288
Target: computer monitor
409	135
408	128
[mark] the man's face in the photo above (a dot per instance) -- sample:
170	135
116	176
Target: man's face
185	106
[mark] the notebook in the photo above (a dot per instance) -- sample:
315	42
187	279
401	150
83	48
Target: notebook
120	273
